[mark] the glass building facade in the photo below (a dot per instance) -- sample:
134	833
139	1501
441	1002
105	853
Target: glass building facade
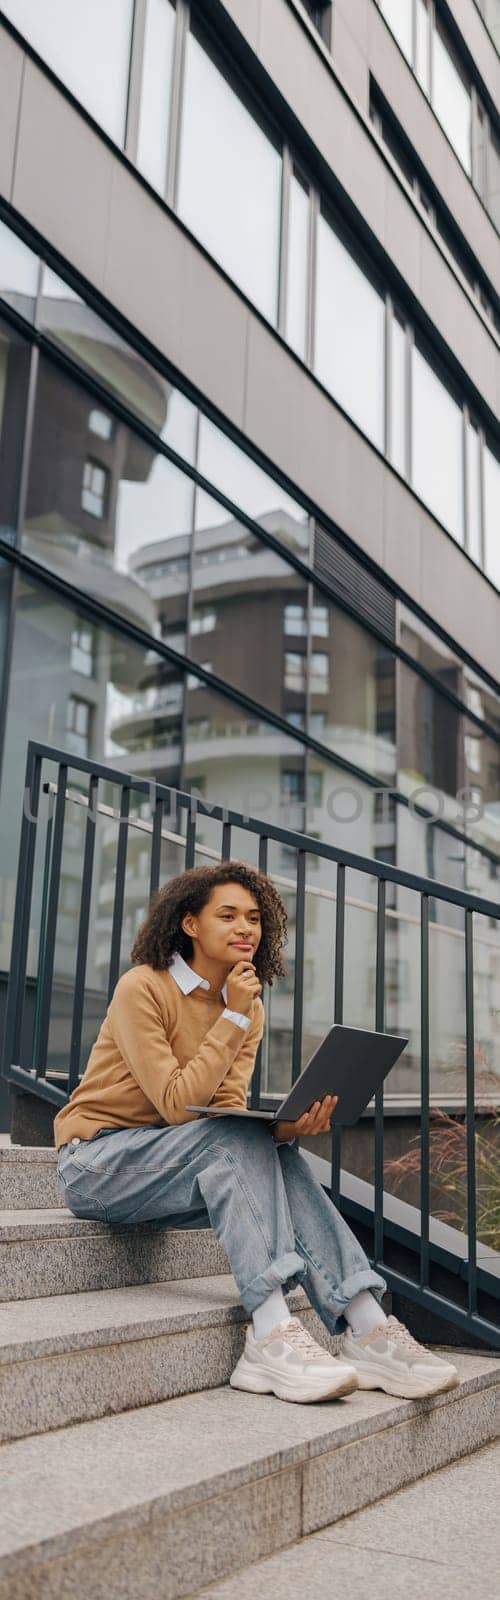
171	606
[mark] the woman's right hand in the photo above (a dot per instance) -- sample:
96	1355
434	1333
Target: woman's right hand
242	986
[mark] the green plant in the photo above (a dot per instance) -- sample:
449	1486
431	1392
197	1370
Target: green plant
448	1167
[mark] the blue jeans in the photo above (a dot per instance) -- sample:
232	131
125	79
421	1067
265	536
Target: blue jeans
273	1219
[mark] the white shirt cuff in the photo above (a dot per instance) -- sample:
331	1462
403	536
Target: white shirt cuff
237	1016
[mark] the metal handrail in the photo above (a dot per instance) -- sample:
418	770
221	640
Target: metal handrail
37	1077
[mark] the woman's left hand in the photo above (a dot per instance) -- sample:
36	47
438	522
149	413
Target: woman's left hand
316	1120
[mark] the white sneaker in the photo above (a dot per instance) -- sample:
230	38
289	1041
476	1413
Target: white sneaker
391	1359
289	1363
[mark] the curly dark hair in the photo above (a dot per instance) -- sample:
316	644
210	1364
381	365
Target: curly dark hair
161	933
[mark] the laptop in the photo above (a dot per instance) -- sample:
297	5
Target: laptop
350	1062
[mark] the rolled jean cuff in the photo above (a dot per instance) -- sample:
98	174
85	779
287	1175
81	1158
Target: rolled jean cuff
276	1275
365	1278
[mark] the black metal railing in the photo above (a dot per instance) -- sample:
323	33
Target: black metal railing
173	822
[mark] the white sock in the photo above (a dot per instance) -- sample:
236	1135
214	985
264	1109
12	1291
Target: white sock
364	1313
268	1316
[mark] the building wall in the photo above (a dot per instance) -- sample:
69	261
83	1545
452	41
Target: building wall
175	449
96	211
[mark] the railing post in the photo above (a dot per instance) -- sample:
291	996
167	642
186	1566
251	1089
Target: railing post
24	889
154	870
255	1086
338	1014
35	1049
298	991
470	1114
226	842
121	863
83	934
50	932
190	839
378	1235
424	1091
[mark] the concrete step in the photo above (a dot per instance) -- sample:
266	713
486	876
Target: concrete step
73	1357
415	1542
166	1499
53	1253
28	1178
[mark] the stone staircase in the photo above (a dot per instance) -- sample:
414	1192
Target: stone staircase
129	1469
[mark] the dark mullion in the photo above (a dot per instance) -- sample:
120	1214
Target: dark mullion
226	842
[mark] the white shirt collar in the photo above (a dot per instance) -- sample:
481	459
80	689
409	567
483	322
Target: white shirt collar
188	980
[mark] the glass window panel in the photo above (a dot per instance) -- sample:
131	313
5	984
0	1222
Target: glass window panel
19	269
398	13
243	588
94	344
437	445
88	45
473	479
491	470
481	802
490	10
15	360
180	428
152	140
344	811
240	757
487	1005
244	482
422	61
451	766
298	266
239	222
493	179
349	335
451	98
141	510
353	704
430	734
399	391
439	657
127	709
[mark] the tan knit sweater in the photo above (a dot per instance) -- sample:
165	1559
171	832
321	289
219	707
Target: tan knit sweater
157	1051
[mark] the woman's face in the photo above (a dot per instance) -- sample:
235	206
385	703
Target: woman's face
229	926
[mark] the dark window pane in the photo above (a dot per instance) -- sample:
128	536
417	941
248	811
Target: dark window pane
14	374
109	502
241	594
84	689
353	692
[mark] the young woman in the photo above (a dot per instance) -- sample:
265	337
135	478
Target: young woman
183	1029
